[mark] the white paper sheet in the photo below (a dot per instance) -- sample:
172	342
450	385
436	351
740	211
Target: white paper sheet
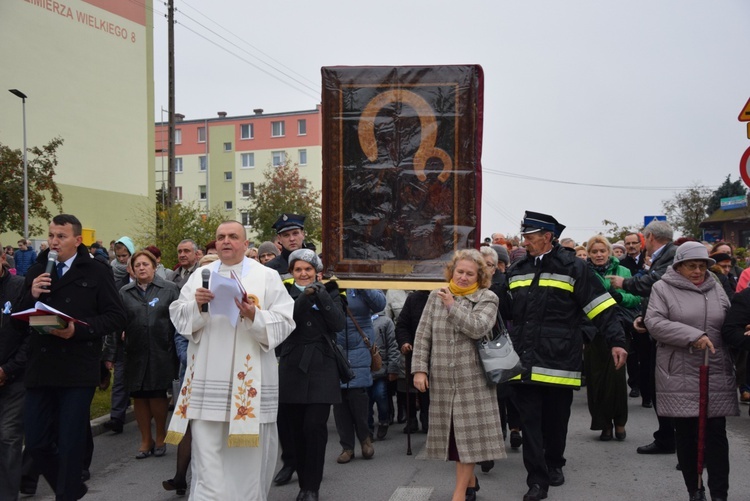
225	291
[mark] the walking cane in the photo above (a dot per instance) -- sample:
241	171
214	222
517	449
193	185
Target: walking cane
702	416
409	383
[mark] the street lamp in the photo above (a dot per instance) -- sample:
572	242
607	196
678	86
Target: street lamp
20	94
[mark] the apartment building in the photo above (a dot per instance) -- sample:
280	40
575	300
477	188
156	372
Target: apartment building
220	160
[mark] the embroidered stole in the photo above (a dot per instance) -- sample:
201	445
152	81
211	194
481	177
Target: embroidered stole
245	386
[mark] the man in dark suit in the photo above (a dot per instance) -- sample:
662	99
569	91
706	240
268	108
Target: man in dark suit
659	246
638	354
63	366
635	255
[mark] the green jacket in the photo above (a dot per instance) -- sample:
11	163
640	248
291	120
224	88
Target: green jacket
628	300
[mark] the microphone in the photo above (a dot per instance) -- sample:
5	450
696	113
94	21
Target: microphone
205	274
51	261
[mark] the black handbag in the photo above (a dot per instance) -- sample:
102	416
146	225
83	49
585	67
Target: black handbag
346	373
500	361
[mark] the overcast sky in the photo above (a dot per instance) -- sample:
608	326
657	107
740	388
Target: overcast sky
632	95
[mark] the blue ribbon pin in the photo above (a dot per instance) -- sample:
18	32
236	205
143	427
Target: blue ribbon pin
6	308
153	302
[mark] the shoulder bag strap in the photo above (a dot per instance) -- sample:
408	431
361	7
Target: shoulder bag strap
359	329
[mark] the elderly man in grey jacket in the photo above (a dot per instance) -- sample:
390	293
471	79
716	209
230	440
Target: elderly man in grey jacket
658	236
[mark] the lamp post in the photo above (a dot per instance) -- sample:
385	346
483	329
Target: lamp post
20	94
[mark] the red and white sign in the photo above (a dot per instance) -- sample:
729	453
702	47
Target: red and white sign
745	167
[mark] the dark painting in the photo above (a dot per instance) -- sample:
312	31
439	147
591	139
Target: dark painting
401	169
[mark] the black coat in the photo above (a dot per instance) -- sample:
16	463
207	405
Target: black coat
86	292
549	303
628	262
640	284
307	367
738	316
408	320
14	342
150	357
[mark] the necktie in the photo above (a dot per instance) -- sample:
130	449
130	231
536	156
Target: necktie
60	268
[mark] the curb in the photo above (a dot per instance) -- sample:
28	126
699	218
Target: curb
97	424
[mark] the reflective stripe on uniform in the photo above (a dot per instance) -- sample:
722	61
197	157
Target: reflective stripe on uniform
520	280
598	305
564	282
555	376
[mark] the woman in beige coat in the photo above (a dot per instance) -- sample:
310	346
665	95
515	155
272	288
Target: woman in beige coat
464	418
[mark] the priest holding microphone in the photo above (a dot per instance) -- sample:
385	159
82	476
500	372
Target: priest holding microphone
230	391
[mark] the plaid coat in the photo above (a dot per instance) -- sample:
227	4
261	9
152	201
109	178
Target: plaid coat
445	349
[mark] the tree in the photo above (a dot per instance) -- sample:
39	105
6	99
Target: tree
42	187
285	191
687	209
174	224
726	190
618	232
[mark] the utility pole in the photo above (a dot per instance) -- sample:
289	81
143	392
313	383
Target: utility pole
171	152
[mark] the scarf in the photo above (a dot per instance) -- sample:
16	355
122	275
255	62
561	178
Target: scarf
244	422
119	270
457	290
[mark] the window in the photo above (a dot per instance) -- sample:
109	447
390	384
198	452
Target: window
279	158
246	131
228	175
302	127
277	129
303	185
178	164
203	164
228	205
177	136
247	219
303	157
248	190
202	192
248	160
178	193
201	134
227	146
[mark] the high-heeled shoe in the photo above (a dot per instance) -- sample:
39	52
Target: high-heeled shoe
172	485
145	454
471	492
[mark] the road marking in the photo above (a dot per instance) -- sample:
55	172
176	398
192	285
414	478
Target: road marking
411	494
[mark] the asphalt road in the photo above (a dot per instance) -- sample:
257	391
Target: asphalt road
595	471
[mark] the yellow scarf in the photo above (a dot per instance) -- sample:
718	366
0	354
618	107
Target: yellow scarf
457	290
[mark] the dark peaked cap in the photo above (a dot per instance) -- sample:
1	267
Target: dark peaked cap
536	221
288	221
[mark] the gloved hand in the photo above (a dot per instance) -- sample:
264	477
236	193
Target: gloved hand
316	288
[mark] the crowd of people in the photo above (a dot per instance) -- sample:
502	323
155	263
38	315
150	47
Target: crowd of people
256	379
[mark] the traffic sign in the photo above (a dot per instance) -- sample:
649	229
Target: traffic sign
648	219
745	113
745	167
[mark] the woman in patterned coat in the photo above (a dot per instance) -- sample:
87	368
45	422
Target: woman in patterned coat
464	418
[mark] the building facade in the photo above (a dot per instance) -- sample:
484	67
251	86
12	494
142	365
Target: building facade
87	69
219	161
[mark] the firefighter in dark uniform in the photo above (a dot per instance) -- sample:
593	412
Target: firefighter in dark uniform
550	292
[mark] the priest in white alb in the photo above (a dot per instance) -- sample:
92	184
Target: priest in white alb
230	392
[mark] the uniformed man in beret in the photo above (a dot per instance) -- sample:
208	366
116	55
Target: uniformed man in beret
551	292
290	229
